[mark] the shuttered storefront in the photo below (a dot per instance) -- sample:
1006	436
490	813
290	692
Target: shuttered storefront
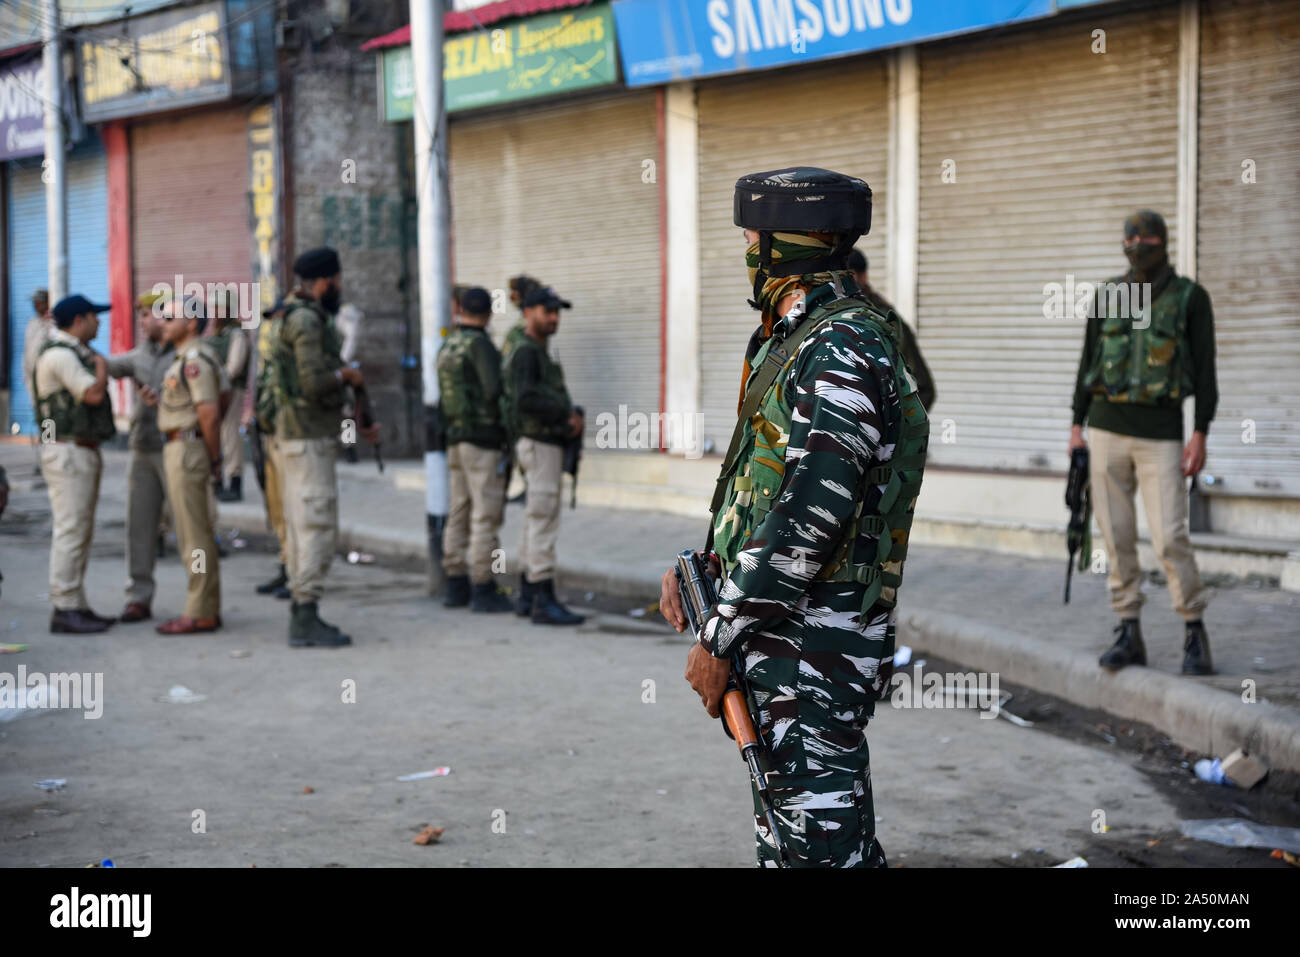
557	192
1249	236
189	197
87	178
1052	146
833	115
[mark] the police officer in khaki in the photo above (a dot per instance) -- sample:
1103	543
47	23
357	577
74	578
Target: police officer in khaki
310	379
146	481
541	419
469	383
194	392
74	414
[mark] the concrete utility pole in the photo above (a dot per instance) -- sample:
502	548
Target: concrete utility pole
434	238
55	170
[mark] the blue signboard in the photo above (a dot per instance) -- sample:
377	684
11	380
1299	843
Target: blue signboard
665	40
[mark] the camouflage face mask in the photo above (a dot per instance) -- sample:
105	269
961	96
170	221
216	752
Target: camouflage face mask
1145	257
786	247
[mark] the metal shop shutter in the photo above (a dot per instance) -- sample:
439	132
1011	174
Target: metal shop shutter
1053	146
1248	234
556	192
833	115
87	174
189	197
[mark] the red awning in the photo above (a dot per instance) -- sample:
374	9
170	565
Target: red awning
458	21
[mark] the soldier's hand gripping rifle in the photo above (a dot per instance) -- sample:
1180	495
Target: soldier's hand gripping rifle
1078	499
698	596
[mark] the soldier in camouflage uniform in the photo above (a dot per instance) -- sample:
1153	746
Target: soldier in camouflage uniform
310	379
811	521
264	413
469	382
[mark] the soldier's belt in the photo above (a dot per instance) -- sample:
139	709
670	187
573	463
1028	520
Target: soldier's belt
181	435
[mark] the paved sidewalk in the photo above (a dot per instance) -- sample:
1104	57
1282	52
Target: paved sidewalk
986	611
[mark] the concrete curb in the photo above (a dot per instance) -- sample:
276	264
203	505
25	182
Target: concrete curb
1195	716
1192	714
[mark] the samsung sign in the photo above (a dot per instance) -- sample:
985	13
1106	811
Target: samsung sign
664	40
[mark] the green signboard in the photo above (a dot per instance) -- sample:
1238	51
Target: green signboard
539	56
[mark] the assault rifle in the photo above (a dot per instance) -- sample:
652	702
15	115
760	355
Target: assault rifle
698	596
365	412
1078	499
572	458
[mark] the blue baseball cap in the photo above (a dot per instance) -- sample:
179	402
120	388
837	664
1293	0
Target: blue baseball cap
69	307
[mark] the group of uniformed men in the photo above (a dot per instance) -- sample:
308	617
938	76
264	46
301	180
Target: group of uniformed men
189	410
499	407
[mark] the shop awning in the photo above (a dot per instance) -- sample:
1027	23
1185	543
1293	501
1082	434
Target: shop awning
458	21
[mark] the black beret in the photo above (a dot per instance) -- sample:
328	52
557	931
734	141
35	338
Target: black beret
317	264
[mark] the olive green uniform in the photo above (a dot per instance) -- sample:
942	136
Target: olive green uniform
264	409
146	480
469	379
70	460
195	376
309	402
536	407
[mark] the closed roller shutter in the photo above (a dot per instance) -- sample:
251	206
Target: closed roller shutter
556	192
1053	146
1248	237
189	197
87	176
833	115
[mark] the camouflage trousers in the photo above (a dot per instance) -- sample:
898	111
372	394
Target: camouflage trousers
819	778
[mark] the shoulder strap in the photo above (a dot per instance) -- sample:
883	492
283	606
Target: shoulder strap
759	384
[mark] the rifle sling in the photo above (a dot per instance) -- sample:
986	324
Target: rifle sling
755	392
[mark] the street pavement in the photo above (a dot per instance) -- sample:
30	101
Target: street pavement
565	746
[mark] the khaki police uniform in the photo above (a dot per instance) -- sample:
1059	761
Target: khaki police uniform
71	469
146	479
194	376
232	444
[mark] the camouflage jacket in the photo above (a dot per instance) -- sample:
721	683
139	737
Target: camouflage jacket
305	358
220	342
814	526
469	386
264	404
72	420
535	404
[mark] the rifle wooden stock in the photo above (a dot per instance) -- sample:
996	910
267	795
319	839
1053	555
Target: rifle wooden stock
736	713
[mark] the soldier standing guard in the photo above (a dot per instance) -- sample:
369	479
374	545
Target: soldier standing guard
310	380
264	413
469	380
146	479
811	515
194	394
74	413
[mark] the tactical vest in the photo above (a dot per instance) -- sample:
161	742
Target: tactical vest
283	366
1145	366
752	478
522	424
462	405
72	419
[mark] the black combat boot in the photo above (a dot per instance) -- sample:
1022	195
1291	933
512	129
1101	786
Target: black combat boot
1196	650
275	584
547	609
234	492
524	599
488	599
307	629
1128	648
72	621
457	592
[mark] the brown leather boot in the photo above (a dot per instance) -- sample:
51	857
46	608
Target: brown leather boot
135	611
